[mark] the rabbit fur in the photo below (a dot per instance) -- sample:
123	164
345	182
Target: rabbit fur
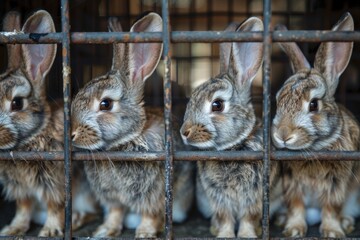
308	118
28	123
108	114
220	116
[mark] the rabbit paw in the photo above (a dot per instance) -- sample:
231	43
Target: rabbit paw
79	219
214	230
226	235
331	228
295	231
331	232
145	235
107	231
11	230
221	233
280	220
347	224
51	232
145	232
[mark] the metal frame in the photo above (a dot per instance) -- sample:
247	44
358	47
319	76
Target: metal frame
169	155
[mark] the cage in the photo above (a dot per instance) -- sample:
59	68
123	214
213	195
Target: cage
191	56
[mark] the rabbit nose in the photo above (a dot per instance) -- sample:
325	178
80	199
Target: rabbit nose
284	133
187	132
73	135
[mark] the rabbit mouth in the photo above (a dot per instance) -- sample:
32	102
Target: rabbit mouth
201	145
87	143
292	142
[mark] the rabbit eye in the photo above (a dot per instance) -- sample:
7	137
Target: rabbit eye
106	104
314	105
17	104
217	105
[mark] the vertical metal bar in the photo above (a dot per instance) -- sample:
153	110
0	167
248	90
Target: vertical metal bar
266	116
169	164
65	28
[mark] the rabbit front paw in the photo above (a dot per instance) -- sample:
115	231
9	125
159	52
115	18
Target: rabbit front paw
328	231
331	233
79	219
347	224
47	231
145	231
296	230
149	226
11	230
145	235
107	231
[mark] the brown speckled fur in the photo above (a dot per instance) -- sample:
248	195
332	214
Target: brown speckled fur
230	192
127	126
35	126
329	127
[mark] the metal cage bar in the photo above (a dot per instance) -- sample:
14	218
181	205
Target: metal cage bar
65	26
184	156
267	37
181	37
266	118
169	163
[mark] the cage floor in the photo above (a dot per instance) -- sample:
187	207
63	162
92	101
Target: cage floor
194	227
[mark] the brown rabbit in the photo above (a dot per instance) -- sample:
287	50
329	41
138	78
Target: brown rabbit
108	114
220	116
307	118
27	123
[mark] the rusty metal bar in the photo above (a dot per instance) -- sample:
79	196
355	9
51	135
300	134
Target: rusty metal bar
169	151
184	156
65	28
128	238
180	37
266	118
29	238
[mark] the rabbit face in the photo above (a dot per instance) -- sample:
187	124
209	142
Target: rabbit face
220	114
213	107
109	110
110	117
305	117
22	115
24	111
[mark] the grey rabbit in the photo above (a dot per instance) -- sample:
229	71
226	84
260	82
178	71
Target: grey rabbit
220	116
108	114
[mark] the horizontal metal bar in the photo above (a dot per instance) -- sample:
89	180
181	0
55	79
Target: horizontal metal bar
184	156
180	37
29	238
176	238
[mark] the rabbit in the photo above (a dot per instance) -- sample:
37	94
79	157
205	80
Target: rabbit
308	118
108	114
28	123
220	116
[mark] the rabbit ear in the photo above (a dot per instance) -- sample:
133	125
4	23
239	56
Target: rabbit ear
246	57
144	57
333	57
118	48
12	23
38	58
292	50
225	49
